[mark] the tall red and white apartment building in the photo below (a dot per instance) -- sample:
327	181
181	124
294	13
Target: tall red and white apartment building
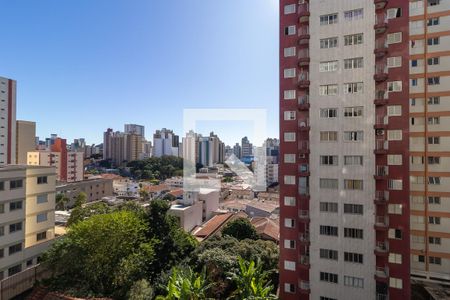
7	121
365	147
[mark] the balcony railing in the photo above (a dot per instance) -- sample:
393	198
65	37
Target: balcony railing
303	124
304	237
382	272
303	11
381	97
382	221
304	76
382	247
303	190
304	285
303	35
303	145
381	145
381	171
381	296
381	47
381	24
303	57
303	168
303	214
304	259
382	196
303	102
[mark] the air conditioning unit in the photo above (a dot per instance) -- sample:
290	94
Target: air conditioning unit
379	132
302	156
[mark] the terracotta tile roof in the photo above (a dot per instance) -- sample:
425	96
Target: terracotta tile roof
212	225
176	193
268	228
156	188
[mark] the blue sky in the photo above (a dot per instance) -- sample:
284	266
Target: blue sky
83	65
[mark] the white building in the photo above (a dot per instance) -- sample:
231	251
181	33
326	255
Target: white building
7	121
165	142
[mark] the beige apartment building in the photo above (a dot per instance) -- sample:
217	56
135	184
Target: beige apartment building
95	189
70	169
25	140
27	218
429	115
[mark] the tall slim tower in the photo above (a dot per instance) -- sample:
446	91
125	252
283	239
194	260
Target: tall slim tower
7	121
344	152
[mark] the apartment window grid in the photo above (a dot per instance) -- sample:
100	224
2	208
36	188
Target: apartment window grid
354	111
328	19
328	113
354	281
354	233
328	230
328	207
328	183
353	160
328	43
329	277
328	254
353	87
353	63
353	39
353	257
355	14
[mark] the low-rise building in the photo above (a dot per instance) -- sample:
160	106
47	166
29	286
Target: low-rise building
27	215
94	188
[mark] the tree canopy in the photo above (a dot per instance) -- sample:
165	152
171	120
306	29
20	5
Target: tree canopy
241	229
159	168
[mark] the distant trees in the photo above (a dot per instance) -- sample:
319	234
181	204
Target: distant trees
241	229
159	168
61	201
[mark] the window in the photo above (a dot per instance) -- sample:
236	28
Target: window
395	209
395	159
328	277
433	2
394	110
41	236
393	13
289	136
2	208
353	184
394	135
395	234
328	254
433	41
328	90
353	233
329	160
393	38
434	100
435	260
353	87
394	62
15	184
434	180
289	201
395	283
328	207
356	209
289	158
41	217
328	112
327	183
434	220
414	63
289	244
395	184
288	179
354	281
289	223
433	80
434	140
41	199
289	73
353	63
329	43
355	111
328	136
354	14
328	66
289	265
434	160
434	240
290	30
353	257
289	94
2	186
2	230
289	115
414	82
15	205
433	61
353	39
289	9
353	136
288	52
15	227
289	288
15	248
434	200
328	230
14	270
394	86
329	19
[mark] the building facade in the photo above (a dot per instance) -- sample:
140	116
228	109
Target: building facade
95	189
135	129
165	142
7	121
344	152
27	216
25	140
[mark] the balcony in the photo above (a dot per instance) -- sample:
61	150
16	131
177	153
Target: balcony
382	274
381	24
303	57
303	125
382	249
381	122
381	73
303	11
381	98
303	35
381	296
381	146
381	222
381	172
381	48
304	261
304	238
303	80
303	102
381	197
380	4
303	170
303	147
304	286
303	215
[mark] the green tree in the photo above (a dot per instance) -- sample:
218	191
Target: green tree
141	290
103	254
80	213
61	201
80	199
251	281
185	284
241	229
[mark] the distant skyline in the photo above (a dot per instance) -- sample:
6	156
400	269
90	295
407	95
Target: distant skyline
85	66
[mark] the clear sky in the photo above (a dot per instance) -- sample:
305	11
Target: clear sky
85	65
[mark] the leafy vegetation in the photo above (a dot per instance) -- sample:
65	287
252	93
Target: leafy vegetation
159	168
241	229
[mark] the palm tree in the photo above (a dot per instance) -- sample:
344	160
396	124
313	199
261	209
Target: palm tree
251	282
185	284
